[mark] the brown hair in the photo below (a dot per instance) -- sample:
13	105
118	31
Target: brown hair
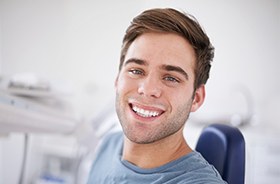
172	21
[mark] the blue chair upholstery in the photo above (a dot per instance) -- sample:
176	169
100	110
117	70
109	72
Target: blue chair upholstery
223	146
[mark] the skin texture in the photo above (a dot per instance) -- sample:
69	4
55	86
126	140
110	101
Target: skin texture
154	96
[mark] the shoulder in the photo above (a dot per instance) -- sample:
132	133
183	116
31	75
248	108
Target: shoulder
112	138
110	142
198	170
107	155
109	148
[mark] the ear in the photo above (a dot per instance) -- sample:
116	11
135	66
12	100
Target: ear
198	99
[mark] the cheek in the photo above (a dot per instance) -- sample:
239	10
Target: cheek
123	85
184	98
179	101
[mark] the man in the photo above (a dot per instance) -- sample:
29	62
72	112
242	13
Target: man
164	65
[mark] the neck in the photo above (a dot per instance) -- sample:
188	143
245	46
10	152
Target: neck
156	154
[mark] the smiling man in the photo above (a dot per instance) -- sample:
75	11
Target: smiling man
164	65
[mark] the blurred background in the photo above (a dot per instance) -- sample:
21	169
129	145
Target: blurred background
59	60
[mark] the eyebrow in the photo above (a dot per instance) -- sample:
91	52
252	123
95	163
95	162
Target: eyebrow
137	61
163	67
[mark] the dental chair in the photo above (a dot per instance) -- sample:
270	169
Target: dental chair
223	146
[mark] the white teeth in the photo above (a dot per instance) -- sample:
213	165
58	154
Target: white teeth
145	113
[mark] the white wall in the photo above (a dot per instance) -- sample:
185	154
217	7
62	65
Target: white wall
79	42
0	42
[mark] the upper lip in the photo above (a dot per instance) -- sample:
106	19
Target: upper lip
153	108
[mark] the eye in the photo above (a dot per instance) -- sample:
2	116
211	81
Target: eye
136	72
171	79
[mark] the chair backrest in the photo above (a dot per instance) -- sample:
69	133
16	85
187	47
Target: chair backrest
223	146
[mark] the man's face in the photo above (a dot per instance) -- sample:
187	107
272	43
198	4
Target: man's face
154	88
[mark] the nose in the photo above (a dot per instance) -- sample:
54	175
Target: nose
150	87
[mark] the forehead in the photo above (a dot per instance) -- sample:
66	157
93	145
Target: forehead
162	49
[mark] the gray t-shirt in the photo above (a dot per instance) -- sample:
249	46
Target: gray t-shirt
109	167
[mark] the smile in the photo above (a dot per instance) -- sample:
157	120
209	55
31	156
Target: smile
146	113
